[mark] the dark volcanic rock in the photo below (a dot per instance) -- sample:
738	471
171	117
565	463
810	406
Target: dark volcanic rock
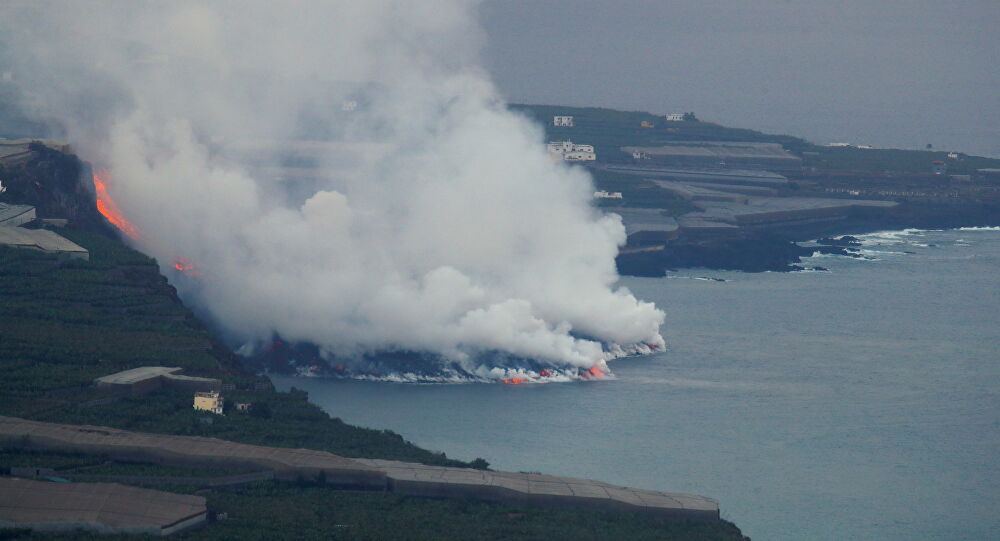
844	242
750	254
762	251
58	185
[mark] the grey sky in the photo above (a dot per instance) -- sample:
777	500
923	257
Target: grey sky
884	72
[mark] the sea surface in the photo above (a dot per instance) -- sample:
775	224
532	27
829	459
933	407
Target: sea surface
857	403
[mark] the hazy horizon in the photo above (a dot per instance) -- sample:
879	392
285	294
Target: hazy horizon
889	74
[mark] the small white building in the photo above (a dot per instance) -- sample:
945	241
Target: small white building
604	194
568	152
675	117
639	155
566	121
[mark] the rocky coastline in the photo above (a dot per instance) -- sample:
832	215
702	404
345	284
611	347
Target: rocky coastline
782	249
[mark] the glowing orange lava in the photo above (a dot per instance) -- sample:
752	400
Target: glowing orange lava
107	207
595	372
186	266
515	381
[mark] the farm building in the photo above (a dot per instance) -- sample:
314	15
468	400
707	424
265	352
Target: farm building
104	508
42	240
724	155
569	152
149	378
15	215
566	121
645	227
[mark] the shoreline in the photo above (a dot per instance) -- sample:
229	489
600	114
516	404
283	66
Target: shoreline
780	250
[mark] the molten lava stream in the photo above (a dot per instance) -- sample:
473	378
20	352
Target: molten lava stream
107	207
186	266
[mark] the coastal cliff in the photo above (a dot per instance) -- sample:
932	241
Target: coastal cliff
778	249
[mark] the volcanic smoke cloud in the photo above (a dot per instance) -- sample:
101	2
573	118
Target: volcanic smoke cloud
433	220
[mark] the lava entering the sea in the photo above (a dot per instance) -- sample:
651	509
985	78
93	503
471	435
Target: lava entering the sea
107	207
593	373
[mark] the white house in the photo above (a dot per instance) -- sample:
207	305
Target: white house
567	151
560	147
562	121
675	117
579	157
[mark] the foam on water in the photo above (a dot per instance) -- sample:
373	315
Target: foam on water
890	236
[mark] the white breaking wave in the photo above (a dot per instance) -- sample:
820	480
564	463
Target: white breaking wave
699	278
890	237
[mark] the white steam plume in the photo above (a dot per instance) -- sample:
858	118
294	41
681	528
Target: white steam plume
433	219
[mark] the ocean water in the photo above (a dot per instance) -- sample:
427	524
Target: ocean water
859	403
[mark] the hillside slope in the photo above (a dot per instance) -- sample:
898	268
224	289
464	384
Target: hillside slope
64	323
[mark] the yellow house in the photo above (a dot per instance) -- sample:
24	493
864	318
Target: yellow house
210	401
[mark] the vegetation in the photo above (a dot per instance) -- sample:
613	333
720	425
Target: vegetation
305	510
292	422
11	458
294	512
609	130
62	325
888	159
69	464
316	513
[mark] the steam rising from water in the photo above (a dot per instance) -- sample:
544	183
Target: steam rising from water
429	218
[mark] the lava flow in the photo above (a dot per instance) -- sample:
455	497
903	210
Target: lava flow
593	372
186	266
107	207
